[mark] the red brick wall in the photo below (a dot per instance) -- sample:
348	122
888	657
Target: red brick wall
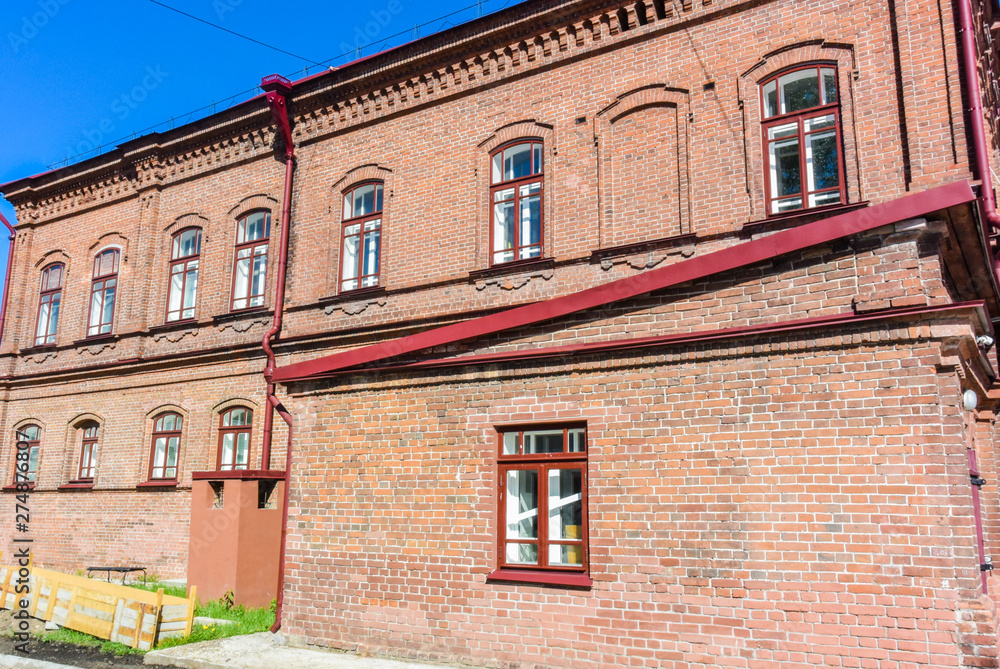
776	505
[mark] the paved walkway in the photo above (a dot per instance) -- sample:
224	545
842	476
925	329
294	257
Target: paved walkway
267	651
15	662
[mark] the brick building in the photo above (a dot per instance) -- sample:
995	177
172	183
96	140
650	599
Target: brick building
655	334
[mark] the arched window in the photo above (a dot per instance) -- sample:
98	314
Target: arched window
234	439
185	255
165	446
250	262
361	240
48	304
800	109
88	452
102	293
27	464
516	199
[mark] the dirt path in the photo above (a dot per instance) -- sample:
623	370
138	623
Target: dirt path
74	656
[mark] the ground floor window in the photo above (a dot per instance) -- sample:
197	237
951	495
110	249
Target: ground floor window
543	499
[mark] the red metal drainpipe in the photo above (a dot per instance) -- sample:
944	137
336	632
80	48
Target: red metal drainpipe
278	88
970	75
977	512
6	278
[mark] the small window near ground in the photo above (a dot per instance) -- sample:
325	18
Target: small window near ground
165	447
88	452
27	464
234	439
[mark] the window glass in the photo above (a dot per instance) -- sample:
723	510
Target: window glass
187	243
799	90
516	227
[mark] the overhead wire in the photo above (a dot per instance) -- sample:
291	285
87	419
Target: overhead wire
231	100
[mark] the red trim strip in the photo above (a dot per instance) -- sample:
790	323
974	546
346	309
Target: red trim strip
156	484
242	474
684	338
733	257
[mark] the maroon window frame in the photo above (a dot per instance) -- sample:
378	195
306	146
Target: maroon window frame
103	290
796	126
362	229
253	235
235	451
88	453
49	299
513	193
182	281
167	430
30	434
548	456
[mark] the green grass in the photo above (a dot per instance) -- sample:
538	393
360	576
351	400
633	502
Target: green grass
75	638
244	621
152	586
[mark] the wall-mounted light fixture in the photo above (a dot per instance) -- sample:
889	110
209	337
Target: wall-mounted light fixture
970	400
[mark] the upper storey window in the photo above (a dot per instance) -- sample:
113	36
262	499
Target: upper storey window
102	293
48	304
185	256
361	246
802	143
250	264
516	197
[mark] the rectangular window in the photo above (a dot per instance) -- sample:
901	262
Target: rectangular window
48	305
185	258
102	293
250	264
516	193
362	238
88	453
802	140
543	505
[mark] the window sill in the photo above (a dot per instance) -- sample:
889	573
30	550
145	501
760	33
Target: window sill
356	294
13	487
799	214
96	339
76	485
636	247
165	483
174	325
562	578
242	313
513	267
28	350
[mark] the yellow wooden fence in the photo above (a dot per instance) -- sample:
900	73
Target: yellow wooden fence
134	617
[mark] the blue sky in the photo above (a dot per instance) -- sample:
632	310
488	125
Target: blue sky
78	74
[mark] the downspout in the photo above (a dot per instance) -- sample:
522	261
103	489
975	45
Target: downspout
6	278
278	88
970	76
